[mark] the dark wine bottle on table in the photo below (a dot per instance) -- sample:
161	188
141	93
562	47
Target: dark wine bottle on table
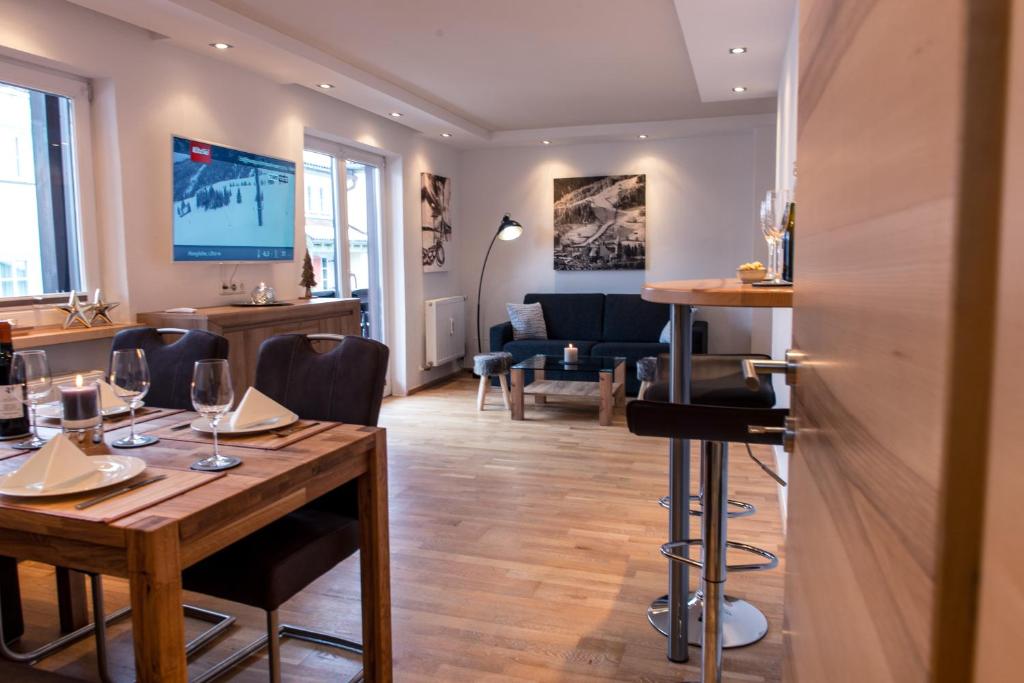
13	413
788	242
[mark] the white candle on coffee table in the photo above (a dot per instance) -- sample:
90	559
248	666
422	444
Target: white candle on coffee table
571	354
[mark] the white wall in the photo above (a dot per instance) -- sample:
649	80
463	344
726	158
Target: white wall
145	90
700	217
780	320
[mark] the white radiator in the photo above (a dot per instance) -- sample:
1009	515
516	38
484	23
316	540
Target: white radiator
446	330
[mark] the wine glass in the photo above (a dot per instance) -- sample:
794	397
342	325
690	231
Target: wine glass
212	396
775	203
765	223
32	370
129	378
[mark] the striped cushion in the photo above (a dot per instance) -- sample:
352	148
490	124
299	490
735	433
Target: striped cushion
527	321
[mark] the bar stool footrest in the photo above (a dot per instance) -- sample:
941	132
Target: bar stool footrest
670	550
744	509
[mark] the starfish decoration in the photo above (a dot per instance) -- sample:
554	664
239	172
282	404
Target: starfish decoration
101	309
76	311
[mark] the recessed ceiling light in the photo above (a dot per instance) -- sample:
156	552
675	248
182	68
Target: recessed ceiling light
737	50
395	114
221	46
545	142
324	86
740	88
642	136
446	135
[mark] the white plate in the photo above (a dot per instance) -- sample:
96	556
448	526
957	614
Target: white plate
113	469
201	424
55	411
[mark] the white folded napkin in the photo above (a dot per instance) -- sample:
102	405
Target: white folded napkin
108	399
58	462
257	408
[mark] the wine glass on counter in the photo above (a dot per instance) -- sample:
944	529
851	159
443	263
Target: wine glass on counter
765	223
31	370
129	379
773	225
212	397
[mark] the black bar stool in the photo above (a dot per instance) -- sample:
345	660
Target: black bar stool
717	380
715	427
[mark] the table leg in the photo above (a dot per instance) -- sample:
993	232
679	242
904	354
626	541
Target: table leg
158	620
72	606
679	485
607	405
517	394
620	379
374	565
539	399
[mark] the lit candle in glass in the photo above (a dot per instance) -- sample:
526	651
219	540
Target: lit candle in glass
80	403
571	354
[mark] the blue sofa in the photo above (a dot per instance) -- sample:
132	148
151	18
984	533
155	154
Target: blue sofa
600	325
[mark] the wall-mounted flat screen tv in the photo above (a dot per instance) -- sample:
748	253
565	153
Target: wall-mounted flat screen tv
231	205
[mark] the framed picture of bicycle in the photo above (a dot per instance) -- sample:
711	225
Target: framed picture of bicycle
435	220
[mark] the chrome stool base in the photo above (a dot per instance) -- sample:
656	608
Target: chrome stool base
742	623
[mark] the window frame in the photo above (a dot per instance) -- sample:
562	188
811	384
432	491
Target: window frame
79	93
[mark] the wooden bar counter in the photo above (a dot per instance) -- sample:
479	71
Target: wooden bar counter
730	293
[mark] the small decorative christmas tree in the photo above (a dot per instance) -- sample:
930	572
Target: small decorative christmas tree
308	279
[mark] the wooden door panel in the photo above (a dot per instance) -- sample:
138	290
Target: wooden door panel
883	110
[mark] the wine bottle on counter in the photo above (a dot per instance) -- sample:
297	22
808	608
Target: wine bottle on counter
13	412
788	242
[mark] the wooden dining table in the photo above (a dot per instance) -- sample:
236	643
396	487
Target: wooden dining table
148	536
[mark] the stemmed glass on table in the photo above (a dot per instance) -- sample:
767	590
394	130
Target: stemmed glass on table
32	370
129	378
773	210
212	396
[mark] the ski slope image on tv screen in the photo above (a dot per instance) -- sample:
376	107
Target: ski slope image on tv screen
231	205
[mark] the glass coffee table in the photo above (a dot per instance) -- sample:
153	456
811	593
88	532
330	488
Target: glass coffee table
600	379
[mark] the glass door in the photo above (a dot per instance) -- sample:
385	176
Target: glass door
362	248
344	191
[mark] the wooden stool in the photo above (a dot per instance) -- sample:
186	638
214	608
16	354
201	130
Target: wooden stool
488	365
647	373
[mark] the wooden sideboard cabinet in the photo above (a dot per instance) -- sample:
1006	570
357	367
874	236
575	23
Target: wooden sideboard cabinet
246	328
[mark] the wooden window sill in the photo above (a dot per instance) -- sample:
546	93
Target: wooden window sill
55	334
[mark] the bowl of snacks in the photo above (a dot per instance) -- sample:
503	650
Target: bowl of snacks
751	272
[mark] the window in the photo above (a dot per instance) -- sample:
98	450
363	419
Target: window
343	226
40	227
319	174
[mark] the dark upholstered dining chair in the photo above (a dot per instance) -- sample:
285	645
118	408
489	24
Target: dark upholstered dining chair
170	365
268	567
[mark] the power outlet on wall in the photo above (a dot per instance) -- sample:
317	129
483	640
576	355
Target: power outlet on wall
231	288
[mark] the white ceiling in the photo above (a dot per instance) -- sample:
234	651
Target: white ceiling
493	72
512	65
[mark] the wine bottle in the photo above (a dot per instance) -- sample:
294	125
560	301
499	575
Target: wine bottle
13	413
788	242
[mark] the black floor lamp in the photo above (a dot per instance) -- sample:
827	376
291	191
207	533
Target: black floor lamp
508	230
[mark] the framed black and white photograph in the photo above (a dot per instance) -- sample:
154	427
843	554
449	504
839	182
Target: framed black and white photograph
435	220
601	223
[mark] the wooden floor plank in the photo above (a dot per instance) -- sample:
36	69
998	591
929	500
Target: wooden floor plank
520	551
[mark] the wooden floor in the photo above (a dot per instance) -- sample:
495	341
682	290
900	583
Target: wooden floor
521	551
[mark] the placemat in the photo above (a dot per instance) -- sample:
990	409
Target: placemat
143	414
267	441
128	503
